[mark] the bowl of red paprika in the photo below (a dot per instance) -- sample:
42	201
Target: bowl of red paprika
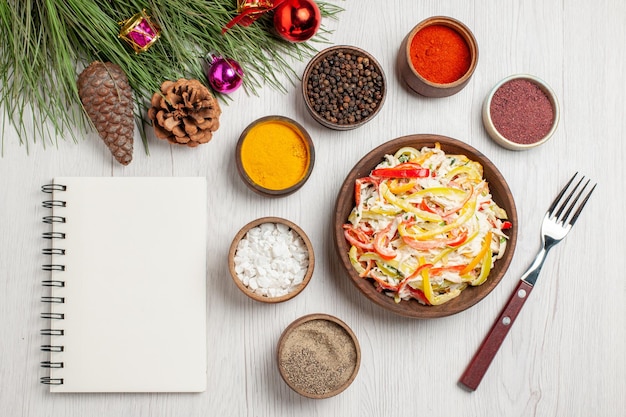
438	57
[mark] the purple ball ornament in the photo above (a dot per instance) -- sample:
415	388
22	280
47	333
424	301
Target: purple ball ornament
224	74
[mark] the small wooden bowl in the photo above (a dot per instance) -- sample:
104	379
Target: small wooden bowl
310	150
345	333
500	192
319	115
417	82
233	250
501	139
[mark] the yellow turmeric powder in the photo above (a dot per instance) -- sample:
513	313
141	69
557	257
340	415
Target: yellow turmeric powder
275	155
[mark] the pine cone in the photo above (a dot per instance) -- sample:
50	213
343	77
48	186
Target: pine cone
184	112
108	100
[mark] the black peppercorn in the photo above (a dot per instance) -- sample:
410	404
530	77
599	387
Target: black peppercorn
348	86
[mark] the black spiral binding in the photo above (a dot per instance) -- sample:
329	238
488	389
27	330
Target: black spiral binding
53	316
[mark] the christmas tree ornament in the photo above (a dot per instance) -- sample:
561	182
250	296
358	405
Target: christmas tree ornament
254	9
297	20
184	112
108	101
140	31
251	10
225	75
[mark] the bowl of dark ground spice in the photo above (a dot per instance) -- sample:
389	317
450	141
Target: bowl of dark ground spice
344	87
521	112
438	57
318	356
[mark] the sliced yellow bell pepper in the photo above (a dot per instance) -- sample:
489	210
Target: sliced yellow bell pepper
458	157
392	266
481	255
389	270
485	268
473	172
403	230
423	157
406	206
499	211
353	255
443	255
430	294
466	213
399	187
407	150
439	192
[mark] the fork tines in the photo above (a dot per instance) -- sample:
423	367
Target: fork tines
564	208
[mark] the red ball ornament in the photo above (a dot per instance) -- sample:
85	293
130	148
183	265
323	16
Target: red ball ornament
297	20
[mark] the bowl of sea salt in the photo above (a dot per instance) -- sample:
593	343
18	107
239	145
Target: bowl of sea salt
271	259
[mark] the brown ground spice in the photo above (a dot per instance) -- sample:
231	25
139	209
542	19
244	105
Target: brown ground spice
318	357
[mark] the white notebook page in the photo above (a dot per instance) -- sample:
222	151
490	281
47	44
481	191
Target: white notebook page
135	285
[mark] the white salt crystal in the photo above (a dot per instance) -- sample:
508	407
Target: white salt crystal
253	284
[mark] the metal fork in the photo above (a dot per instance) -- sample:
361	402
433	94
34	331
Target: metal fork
556	224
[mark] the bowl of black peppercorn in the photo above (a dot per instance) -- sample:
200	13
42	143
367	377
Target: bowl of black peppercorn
343	87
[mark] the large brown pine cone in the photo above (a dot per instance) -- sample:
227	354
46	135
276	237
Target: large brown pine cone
184	112
108	100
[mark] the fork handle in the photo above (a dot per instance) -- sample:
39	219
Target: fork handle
487	351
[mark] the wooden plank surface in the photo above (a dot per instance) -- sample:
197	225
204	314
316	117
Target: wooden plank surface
564	355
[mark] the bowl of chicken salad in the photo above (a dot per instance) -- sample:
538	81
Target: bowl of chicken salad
425	226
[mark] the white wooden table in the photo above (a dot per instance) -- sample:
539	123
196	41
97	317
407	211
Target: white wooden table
564	355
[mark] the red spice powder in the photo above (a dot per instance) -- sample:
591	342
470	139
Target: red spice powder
440	54
521	111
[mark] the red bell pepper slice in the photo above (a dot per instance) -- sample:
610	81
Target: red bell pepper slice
406	170
451	268
382	242
368	268
506	225
382	246
382	283
358	238
418	295
459	240
405	281
358	184
425	207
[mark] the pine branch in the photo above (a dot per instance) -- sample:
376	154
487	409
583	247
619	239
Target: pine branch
44	44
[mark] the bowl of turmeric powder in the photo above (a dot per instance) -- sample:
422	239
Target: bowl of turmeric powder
438	57
275	156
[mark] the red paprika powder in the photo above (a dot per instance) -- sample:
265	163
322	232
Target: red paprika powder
440	54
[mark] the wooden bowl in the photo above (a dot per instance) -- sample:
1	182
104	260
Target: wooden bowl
501	195
332	337
255	295
293	186
415	80
353	111
502	140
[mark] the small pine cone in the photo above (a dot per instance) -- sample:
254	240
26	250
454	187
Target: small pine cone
184	113
108	100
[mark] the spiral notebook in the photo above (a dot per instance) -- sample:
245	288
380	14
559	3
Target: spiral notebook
126	295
